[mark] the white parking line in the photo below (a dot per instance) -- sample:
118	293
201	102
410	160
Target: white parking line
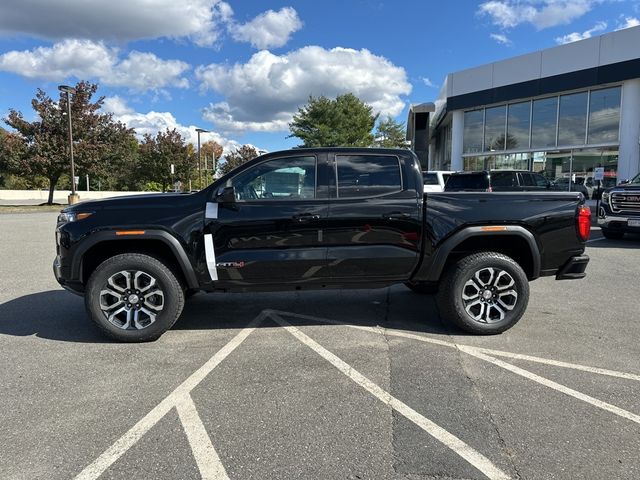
557	363
480	353
443	343
209	464
596	239
135	433
472	456
551	384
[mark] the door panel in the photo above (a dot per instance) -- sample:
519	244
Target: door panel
272	233
372	235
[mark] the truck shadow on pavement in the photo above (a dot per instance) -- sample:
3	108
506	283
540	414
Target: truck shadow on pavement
59	315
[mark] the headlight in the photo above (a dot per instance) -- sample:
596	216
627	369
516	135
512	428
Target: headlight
605	197
66	217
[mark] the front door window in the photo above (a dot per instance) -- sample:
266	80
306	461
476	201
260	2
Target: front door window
291	178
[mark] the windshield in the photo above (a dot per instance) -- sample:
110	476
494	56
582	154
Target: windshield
430	179
635	180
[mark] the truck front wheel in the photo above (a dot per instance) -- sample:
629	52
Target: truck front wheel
484	293
133	297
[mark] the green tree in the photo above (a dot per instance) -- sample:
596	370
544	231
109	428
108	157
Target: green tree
158	153
343	122
235	159
46	139
211	152
11	150
390	134
118	169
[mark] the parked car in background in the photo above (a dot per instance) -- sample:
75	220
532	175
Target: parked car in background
598	187
619	211
567	185
434	180
497	181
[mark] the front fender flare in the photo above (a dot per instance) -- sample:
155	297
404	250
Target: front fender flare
110	235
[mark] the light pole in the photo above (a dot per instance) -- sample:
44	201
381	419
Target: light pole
200	130
73	198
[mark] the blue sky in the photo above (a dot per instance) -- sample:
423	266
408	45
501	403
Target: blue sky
241	68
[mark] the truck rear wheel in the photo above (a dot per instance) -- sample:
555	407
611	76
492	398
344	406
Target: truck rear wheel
133	297
484	293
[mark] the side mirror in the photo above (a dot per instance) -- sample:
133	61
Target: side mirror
226	196
624	182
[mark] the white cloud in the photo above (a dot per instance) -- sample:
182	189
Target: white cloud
576	36
85	59
628	22
264	93
153	122
427	81
540	13
145	71
270	29
501	38
119	20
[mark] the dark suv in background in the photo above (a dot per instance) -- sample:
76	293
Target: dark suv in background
619	211
497	181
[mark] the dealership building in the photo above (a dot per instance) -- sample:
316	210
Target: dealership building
563	112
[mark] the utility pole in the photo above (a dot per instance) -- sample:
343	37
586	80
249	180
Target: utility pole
200	130
73	198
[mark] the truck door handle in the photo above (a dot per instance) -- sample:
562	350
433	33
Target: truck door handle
396	216
305	217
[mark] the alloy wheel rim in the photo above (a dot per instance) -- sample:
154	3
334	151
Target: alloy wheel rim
131	300
489	295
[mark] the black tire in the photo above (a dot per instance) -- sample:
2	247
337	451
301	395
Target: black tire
170	293
453	307
612	234
422	288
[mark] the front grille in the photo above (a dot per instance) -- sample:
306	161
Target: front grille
625	202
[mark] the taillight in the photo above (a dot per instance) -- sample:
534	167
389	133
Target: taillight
584	223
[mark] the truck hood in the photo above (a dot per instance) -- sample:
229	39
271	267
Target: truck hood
152	200
626	188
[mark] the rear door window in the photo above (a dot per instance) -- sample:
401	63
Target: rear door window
504	179
540	181
367	175
527	179
470	181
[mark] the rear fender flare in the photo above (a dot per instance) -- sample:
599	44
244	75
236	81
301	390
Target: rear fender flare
436	265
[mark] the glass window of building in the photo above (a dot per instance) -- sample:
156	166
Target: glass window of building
494	128
472	134
474	163
518	121
509	161
572	123
604	115
544	122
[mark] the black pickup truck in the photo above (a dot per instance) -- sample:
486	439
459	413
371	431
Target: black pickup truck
619	211
318	219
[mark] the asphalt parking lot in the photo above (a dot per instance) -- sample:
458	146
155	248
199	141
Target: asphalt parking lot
320	385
